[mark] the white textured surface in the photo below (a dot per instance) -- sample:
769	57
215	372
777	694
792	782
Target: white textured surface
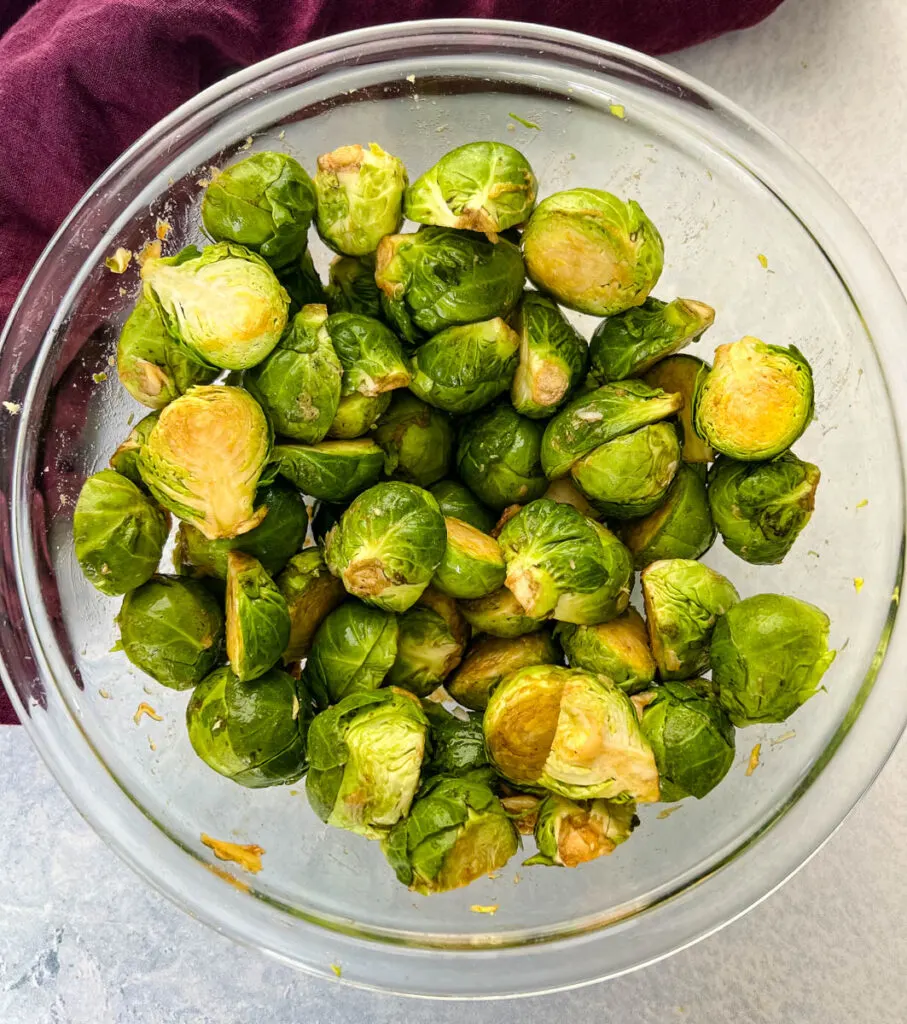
82	940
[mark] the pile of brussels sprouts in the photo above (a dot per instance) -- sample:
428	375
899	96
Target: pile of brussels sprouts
422	476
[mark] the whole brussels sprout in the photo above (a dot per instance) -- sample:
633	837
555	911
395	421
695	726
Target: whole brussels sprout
594	418
258	620
457	500
500	614
570	732
225	304
387	545
755	401
358	414
628	344
498	457
630	476
417	440
618	649
677	375
125	460
692	738
561	564
472	566
302	283
203	458
761	507
332	470
265	202
352	652
369	352
118	533
681	527
569	832
360	197
172	629
769	654
565	492
490	659
684	599
456	831
428	649
365	757
311	593
553	357
457	743
252	733
351	286
482	186
298	385
151	365
592	252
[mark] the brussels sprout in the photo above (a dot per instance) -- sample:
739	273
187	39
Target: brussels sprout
553	357
769	654
327	515
473	565
755	401
280	535
253	733
387	545
311	593
491	658
301	281
118	533
565	492
258	620
351	286
125	460
629	343
456	500
173	629
559	563
417	440
456	832
357	415
498	457
457	743
151	365
332	470
570	732
600	416
265	202
366	756
482	186
569	833
684	600
298	385
677	375
352	652
500	614
369	352
440	277
592	252
692	738
203	458
618	649
760	508
360	197
427	651
225	305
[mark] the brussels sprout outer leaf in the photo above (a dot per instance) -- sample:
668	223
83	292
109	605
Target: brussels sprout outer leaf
301	282
334	471
351	287
472	566
457	743
258	621
357	415
125	460
490	659
311	593
618	649
498	457
677	375
369	352
456	500
500	614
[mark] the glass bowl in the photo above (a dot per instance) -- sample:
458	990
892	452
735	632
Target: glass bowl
749	228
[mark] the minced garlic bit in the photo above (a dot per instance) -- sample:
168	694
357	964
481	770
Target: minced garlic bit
863	503
119	261
162	228
783	738
248	143
478	908
411	79
763	260
618	110
99	378
151	251
337	969
754	759
517	879
104	694
152	744
668	811
227	877
282	134
858	583
246	855
13	408
146	709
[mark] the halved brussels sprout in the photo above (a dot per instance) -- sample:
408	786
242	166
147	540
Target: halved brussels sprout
490	659
265	202
417	440
677	375
755	401
369	352
365	757
473	565
571	732
118	533
427	651
302	283
151	365
692	738
172	629
311	593
498	457
769	654
253	733
569	832
565	492
258	620
125	460
630	476
600	416
387	545
760	508
684	599
457	742
225	304
628	344
482	186
298	385
500	614
618	649
456	832
351	286
457	500
332	470
352	652
203	458
561	564
592	252
360	197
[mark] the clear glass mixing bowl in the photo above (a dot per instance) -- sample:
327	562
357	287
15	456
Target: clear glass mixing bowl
749	228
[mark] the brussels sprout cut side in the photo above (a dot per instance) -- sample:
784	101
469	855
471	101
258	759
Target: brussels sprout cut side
456	500
311	593
569	833
258	621
678	375
489	659
473	565
618	649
